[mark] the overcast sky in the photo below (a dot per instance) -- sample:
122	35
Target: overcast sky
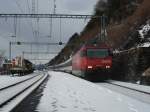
24	26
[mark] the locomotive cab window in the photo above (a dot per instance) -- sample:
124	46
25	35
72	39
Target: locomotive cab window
97	53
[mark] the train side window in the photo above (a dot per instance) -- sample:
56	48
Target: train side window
83	53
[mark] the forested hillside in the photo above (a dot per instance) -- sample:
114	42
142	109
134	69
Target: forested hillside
125	17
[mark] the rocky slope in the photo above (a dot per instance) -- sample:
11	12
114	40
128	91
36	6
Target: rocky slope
124	18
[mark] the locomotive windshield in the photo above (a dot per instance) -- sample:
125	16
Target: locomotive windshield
98	53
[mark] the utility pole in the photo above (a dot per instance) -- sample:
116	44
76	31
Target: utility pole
10	50
22	60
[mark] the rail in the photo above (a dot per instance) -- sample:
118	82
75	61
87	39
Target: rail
130	88
11	92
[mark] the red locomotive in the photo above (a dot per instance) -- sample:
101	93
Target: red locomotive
92	60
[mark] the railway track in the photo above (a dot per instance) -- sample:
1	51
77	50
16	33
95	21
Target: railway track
130	91
131	88
11	85
12	95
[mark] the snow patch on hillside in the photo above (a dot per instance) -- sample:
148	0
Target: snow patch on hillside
146	44
144	31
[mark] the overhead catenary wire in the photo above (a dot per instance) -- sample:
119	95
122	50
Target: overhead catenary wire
3	35
63	16
37	25
31	24
33	6
15	19
54	12
15	27
29	10
19	27
28	5
50	27
10	26
21	10
37	5
19	6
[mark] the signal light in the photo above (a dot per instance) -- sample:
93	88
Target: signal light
90	67
60	43
107	66
18	43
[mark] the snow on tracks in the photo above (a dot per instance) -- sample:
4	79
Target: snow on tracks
7	80
13	95
135	87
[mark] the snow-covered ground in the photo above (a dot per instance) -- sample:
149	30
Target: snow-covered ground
66	93
6	80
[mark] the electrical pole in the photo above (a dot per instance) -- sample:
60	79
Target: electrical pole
10	50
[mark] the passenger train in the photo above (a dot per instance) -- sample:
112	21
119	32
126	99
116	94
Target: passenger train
92	61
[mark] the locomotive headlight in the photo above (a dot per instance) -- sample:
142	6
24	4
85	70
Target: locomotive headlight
107	66
90	67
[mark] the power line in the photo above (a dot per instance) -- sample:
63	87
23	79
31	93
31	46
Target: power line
15	19
10	26
15	27
37	59
33	6
62	16
37	7
19	27
29	9
19	6
28	6
34	43
69	16
33	12
54	7
40	52
50	24
50	27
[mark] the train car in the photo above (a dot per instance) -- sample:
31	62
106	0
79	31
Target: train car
24	69
92	61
